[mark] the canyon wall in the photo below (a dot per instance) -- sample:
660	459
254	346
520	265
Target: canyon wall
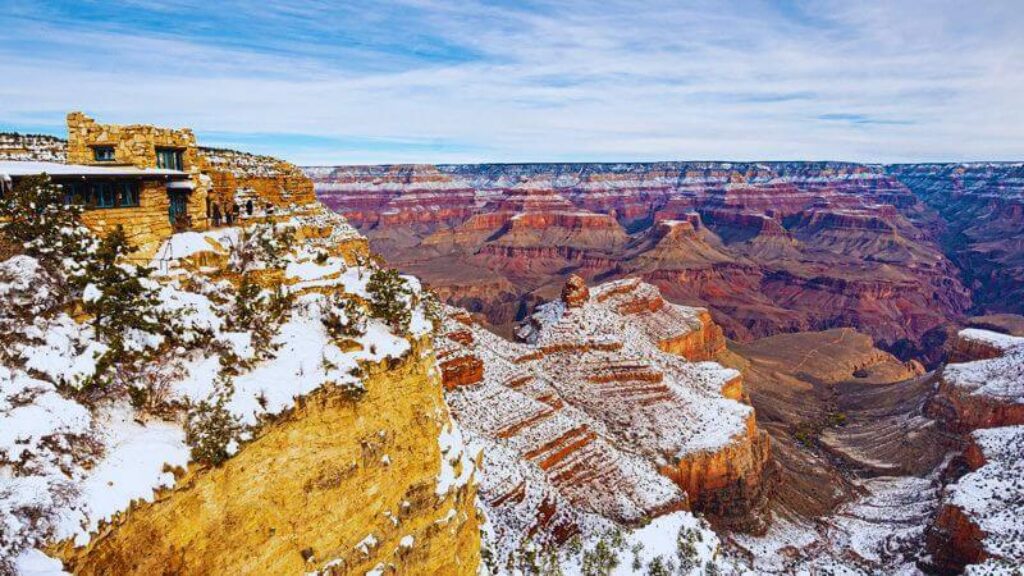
335	484
766	247
982	209
981	396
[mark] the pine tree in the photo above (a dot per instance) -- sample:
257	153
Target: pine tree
389	299
343	317
211	430
35	216
117	295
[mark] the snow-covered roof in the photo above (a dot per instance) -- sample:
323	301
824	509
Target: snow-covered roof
13	168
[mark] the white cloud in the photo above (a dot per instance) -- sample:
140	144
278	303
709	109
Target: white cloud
558	81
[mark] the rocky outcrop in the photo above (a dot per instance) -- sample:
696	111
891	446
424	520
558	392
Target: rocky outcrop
987	390
729	483
32	147
593	415
766	247
328	448
978	522
575	293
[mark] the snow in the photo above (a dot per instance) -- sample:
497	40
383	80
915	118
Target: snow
456	464
186	244
33	562
134	465
1000	378
306	359
80	466
406	541
63	350
23	427
367	544
993	495
996	339
310	270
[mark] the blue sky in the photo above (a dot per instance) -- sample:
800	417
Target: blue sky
326	82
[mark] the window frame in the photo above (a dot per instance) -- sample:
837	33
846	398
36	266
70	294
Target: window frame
128	194
177	154
102	149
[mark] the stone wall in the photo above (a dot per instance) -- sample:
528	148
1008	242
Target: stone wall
146	226
344	469
237	177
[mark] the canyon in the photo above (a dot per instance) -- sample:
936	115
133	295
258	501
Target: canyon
898	252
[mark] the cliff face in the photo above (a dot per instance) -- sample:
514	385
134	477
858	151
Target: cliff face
982	397
766	247
592	417
337	484
982	209
273	421
985	389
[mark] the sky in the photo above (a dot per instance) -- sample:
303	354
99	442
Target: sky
390	81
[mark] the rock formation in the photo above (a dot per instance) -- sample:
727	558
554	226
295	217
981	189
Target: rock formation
766	247
350	479
592	416
982	215
313	438
982	397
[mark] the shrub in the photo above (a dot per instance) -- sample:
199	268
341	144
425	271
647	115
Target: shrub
600	561
343	317
256	312
262	245
686	548
389	299
211	430
658	567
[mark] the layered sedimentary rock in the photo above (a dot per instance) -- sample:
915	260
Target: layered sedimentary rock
979	521
767	247
982	396
985	389
982	209
32	147
592	419
237	177
352	478
838	409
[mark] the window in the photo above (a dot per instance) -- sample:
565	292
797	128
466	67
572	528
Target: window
105	194
129	194
169	158
103	153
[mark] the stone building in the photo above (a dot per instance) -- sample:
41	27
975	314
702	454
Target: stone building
153	181
147	148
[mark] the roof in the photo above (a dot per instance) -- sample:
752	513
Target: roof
10	168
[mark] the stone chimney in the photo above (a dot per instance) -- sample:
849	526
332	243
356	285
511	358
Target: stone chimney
575	293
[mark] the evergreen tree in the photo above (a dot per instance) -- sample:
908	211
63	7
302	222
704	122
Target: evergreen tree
117	295
211	430
389	299
35	216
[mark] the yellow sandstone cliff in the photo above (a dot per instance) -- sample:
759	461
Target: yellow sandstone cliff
339	484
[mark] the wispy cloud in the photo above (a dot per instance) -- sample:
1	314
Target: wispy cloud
426	80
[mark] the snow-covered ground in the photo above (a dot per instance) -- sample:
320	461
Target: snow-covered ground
70	462
1000	378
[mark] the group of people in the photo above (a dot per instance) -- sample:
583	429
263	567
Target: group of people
230	215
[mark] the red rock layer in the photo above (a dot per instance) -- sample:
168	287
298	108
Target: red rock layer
725	483
767	247
954	541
